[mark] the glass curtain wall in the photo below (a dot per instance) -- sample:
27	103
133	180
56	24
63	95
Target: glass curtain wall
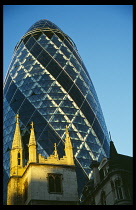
48	83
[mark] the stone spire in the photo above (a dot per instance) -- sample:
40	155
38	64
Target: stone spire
55	151
32	140
16	153
68	148
67	139
17	142
32	145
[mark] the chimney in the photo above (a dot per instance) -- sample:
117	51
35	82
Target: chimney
96	175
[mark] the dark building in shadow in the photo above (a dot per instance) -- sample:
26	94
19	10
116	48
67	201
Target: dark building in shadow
112	181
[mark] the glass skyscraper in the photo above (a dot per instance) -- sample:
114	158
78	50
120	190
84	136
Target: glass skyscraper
47	83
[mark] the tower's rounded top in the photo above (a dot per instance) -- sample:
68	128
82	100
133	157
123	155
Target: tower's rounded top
44	23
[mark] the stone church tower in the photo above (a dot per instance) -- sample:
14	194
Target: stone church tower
41	181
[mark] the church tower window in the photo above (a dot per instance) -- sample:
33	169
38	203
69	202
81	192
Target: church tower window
55	183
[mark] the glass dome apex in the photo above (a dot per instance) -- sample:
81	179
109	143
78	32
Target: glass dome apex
43	23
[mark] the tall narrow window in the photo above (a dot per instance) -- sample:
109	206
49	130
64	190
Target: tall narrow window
112	187
51	184
55	183
58	183
103	198
19	158
118	189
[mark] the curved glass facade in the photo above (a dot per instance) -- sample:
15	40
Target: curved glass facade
47	82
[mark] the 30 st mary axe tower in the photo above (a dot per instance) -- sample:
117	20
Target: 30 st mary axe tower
47	83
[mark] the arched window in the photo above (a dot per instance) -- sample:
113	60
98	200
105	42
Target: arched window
118	189
103	198
19	158
55	183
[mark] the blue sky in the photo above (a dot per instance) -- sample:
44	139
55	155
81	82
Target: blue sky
103	36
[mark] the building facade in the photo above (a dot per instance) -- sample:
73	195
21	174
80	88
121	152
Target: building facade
112	182
41	181
48	83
